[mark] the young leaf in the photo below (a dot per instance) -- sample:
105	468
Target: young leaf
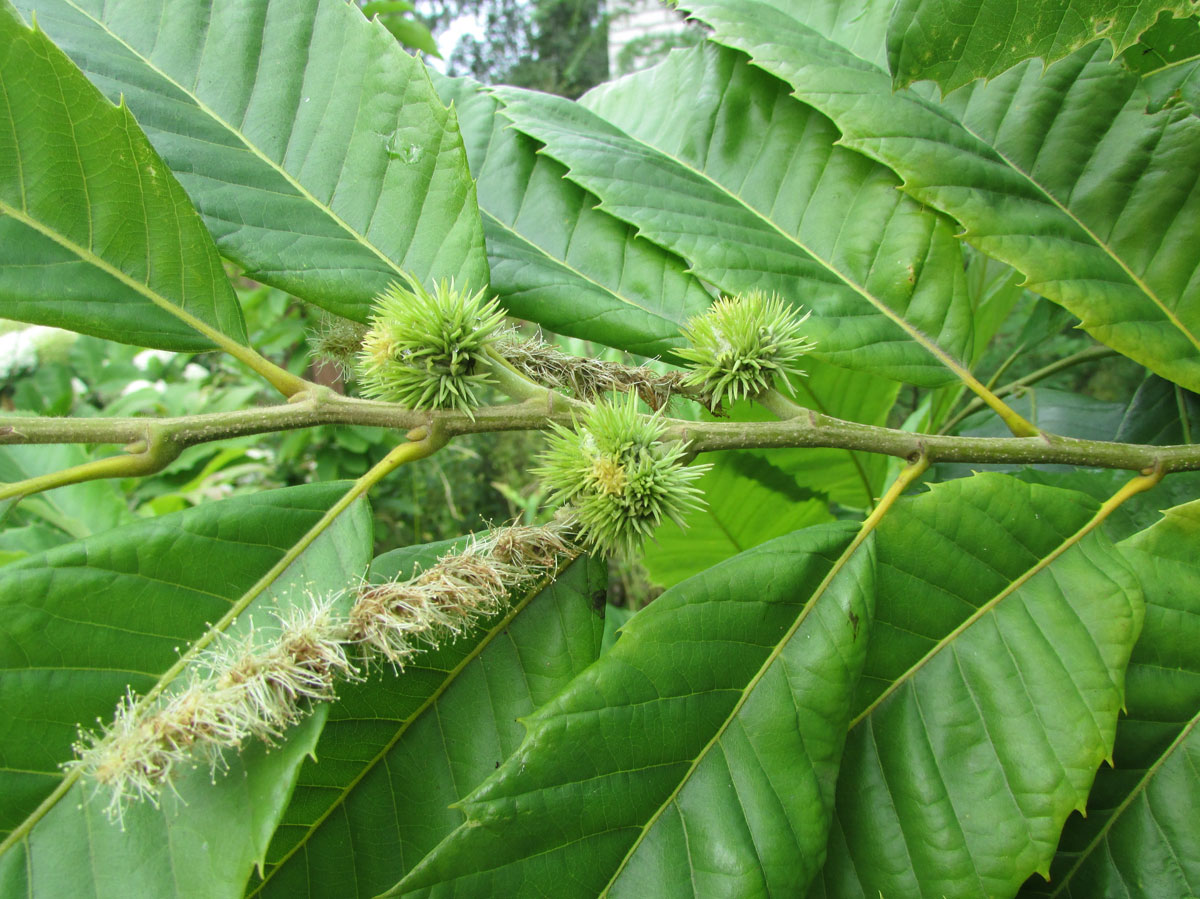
747	501
95	233
398	753
737	683
990	691
85	621
956	41
1140	835
665	150
557	260
316	149
1064	177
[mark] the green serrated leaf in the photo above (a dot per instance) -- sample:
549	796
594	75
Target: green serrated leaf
411	33
1065	177
736	683
555	259
990	692
95	233
83	622
953	42
1140	836
666	150
316	149
1167	57
201	844
1168	42
860	26
398	752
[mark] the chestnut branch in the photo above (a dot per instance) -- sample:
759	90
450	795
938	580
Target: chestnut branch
152	443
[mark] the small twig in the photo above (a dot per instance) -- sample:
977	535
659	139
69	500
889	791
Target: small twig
1087	355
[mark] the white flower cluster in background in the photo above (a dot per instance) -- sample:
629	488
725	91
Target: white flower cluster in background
23	348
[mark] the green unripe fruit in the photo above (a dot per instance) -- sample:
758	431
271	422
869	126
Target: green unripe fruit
428	350
743	344
621	481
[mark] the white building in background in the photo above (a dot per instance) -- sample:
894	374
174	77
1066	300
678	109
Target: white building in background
632	22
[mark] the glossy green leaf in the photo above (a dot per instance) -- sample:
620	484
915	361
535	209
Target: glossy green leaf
747	501
1065	177
398	752
990	692
667	150
954	42
83	621
201	844
736	685
1140	836
1167	42
1161	413
316	149
95	234
753	496
1180	82
555	259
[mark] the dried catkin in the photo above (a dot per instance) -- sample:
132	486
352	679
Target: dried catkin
588	378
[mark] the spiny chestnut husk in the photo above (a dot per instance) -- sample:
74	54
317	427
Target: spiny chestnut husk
427	350
743	344
620	480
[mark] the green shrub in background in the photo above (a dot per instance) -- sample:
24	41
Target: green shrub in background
929	610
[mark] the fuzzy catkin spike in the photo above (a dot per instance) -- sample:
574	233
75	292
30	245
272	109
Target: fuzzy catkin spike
743	345
255	687
428	349
619	479
338	341
394	621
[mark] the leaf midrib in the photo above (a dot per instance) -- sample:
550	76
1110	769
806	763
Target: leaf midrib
245	142
1109	251
1042	564
838	565
86	255
563	264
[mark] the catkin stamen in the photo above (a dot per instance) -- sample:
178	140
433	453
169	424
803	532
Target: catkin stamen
257	685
